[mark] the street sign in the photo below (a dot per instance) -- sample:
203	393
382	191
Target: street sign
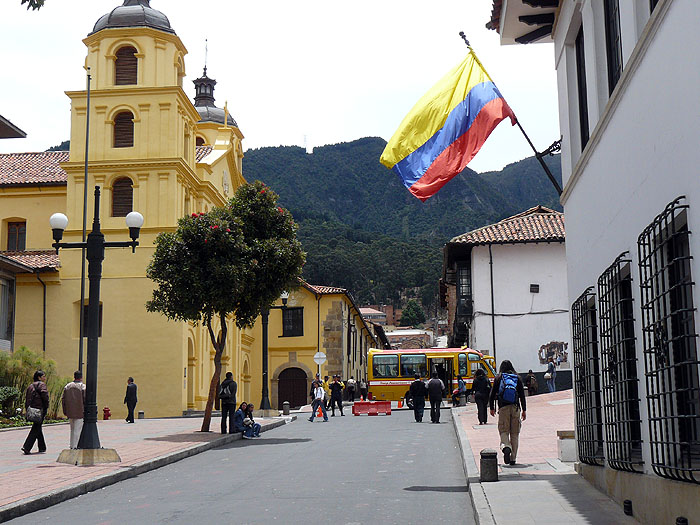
319	358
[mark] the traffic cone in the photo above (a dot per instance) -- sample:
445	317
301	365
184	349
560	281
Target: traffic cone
401	402
320	412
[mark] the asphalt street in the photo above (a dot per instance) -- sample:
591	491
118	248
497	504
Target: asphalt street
351	470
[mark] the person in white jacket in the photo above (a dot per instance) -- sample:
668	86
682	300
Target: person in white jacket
318	402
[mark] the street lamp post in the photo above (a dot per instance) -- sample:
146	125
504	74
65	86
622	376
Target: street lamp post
95	249
265	401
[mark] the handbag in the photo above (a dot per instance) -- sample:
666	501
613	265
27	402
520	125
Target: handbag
34	415
547	376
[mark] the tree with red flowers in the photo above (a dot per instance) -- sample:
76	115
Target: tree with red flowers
232	262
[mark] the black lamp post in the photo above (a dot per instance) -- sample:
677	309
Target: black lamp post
95	246
265	401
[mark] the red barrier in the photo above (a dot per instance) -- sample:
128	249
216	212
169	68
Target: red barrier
371	408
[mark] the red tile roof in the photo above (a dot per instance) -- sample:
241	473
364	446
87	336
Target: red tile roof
495	20
538	224
321	290
44	167
35	260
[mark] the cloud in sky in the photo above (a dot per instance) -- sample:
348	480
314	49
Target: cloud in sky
329	71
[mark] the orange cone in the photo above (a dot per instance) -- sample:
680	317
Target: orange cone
320	412
401	402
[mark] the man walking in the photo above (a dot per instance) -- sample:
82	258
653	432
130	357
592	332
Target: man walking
418	392
318	402
551	375
435	389
509	391
73	403
227	395
363	390
337	395
350	387
130	399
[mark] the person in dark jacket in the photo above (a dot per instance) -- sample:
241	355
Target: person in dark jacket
509	412
130	399
435	389
256	427
336	395
36	396
239	421
481	388
227	395
418	391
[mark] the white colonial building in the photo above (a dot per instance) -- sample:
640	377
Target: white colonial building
505	287
629	78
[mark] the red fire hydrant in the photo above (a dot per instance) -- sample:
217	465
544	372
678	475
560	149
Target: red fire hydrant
106	413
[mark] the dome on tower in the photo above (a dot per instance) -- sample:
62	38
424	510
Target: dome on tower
134	13
204	101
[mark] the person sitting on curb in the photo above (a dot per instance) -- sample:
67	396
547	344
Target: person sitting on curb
508	389
239	424
253	425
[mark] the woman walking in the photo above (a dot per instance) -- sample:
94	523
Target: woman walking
509	391
36	402
481	388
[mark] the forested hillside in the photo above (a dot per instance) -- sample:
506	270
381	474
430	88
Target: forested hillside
364	231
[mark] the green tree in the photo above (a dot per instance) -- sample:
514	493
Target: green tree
232	261
33	4
412	315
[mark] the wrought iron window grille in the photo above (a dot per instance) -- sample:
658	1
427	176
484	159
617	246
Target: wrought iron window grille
623	425
670	344
587	394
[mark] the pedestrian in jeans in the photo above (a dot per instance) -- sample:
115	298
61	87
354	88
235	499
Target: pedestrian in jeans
239	422
36	396
73	403
256	427
508	390
551	375
130	399
435	389
481	388
363	390
227	395
350	387
318	402
418	391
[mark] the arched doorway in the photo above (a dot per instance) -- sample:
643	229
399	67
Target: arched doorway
292	387
246	382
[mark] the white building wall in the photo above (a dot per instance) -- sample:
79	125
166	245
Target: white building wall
519	332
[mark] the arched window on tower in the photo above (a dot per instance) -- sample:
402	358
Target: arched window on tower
126	66
200	141
124	130
122	197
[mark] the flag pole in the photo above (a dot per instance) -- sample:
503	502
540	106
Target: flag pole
551	150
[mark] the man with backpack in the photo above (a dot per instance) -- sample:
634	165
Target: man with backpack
227	395
508	390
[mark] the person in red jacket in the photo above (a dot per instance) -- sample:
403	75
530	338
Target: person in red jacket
37	396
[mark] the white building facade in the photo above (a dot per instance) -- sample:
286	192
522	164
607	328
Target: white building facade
629	77
507	292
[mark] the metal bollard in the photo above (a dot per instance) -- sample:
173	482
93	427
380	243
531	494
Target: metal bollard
142	415
489	465
285	408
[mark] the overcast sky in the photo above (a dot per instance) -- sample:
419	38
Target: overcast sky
321	71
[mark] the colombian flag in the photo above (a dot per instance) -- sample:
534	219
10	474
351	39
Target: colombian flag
446	129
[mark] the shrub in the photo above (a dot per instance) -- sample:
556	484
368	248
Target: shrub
8	395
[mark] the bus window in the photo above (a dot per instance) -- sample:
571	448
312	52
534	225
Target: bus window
414	364
463	365
385	366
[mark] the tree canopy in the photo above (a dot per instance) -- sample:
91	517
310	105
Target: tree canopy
412	314
233	261
33	4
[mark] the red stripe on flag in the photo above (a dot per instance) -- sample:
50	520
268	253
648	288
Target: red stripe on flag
456	157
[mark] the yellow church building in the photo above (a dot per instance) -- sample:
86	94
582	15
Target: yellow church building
154	151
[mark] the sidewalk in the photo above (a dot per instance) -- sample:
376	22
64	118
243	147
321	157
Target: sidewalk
539	488
29	483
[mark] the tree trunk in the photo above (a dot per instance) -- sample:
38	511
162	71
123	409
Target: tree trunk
219	345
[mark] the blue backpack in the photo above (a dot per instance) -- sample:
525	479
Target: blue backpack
508	389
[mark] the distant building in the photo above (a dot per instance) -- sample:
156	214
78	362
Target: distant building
410	338
392	315
374	316
505	291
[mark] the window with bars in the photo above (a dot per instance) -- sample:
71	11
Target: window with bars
613	42
16	236
623	425
292	322
670	344
582	89
122	197
126	66
124	130
587	399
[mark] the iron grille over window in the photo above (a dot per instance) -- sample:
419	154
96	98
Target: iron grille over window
623	426
126	66
122	197
292	322
613	42
582	89
589	422
16	236
124	130
670	345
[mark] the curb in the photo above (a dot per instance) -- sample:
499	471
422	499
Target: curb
26	506
26	427
480	504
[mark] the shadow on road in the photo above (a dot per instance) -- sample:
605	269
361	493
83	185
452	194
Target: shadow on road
264	441
185	438
420	488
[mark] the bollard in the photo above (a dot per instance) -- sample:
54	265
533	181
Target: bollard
285	408
489	465
680	520
627	507
142	415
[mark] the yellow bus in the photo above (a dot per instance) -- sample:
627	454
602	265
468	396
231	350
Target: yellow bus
391	372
